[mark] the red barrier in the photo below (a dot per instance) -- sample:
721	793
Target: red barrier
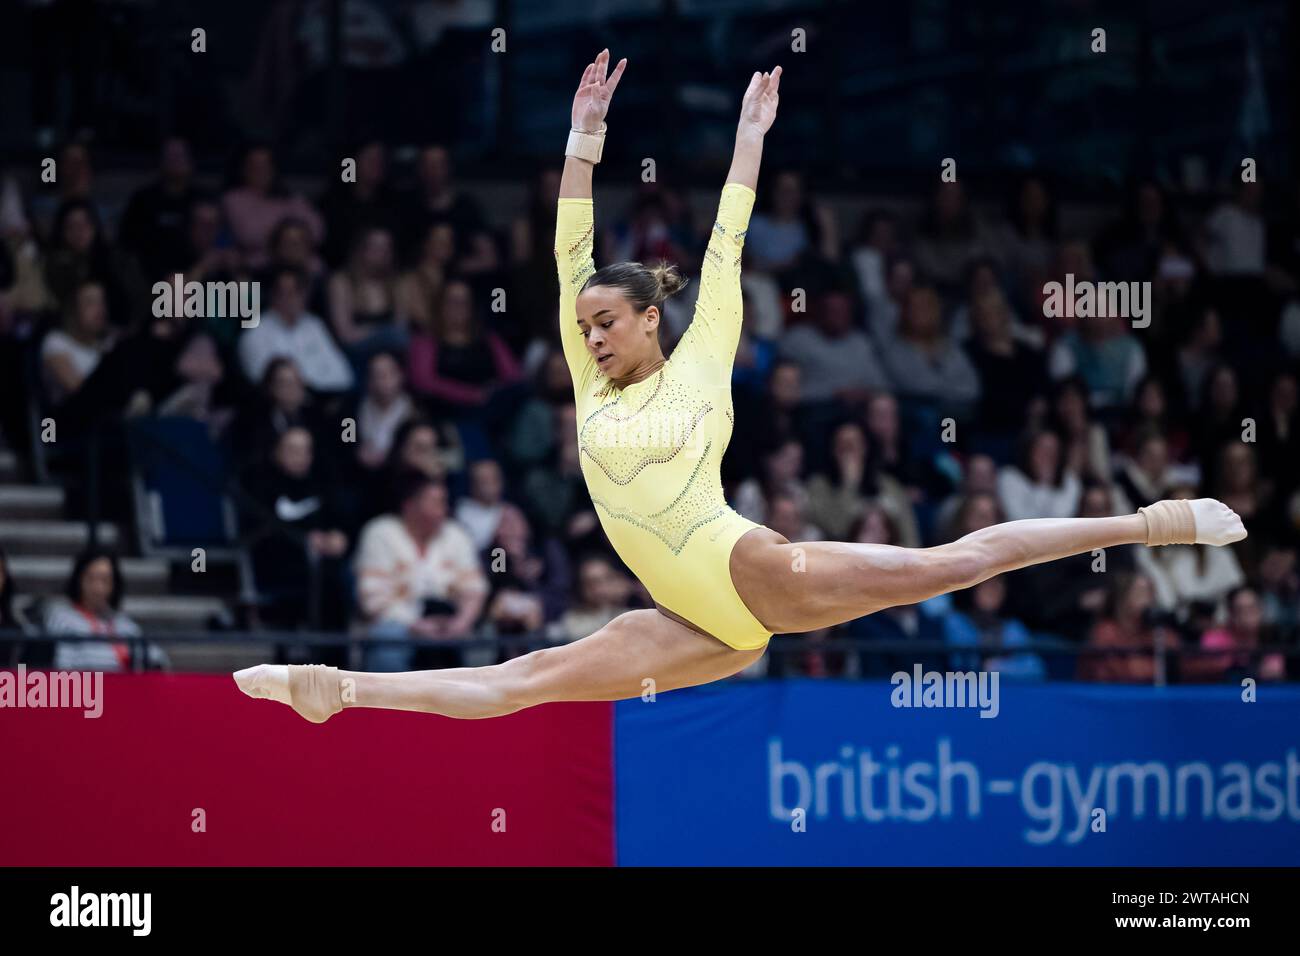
367	788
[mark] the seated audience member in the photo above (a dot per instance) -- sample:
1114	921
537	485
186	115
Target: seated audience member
154	224
1130	623
979	619
287	330
70	354
418	578
529	584
923	362
93	607
480	511
365	308
459	364
1040	484
603	593
258	201
298	526
382	410
282	402
1241	641
853	480
837	361
80	253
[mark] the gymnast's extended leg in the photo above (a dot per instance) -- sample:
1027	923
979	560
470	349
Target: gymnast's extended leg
615	663
804	586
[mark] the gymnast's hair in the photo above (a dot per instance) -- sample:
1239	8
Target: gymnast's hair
641	285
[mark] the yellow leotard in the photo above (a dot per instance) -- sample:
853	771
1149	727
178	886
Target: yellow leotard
652	452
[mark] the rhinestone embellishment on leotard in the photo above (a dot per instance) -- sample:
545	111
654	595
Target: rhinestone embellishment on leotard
693	507
623	445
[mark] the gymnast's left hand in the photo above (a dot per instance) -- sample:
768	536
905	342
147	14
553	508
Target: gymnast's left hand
758	108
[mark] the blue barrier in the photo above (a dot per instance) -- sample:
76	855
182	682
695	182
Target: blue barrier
1063	774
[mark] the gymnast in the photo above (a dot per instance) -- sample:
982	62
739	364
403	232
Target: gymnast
652	432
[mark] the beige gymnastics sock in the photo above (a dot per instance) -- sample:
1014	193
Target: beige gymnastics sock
1170	522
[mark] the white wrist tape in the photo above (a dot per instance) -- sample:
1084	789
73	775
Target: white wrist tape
586	145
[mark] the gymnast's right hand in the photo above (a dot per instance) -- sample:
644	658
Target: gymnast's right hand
591	102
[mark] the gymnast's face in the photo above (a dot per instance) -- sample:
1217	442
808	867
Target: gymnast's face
619	338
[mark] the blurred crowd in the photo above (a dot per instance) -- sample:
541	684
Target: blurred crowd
401	421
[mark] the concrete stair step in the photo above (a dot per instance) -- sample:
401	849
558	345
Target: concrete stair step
47	537
31	502
48	574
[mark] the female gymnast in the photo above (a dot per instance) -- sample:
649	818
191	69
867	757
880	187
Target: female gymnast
652	432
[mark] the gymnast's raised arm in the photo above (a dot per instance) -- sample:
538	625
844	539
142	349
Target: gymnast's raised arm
574	220
714	332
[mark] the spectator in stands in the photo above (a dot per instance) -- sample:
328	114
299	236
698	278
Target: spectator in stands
283	402
558	504
480	511
438	198
1026	243
1150	412
1011	373
533	281
979	619
982	282
1129	623
365	309
851	483
418	578
1218	419
12	624
1239	485
837	362
924	364
1279	432
75	184
292	248
199	392
950	237
782	468
350	207
648	232
787	516
1105	354
777	411
420	288
205	257
1233	240
154	224
754	353
459	364
531	438
1127	250
70	354
93	607
257	200
382	410
80	253
1085	444
979	476
915	472
529	584
873	250
603	593
1041	483
287	330
788	224
1279	587
297	533
1241	640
